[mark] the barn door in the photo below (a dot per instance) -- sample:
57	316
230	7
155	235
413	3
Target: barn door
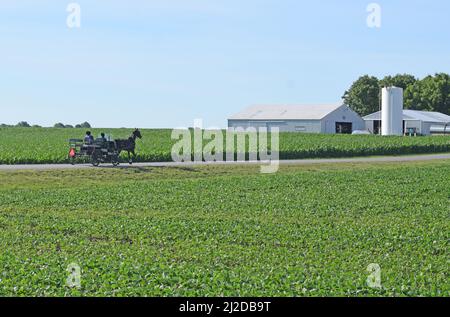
344	127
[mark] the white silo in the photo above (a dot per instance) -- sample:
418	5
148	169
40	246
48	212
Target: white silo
392	111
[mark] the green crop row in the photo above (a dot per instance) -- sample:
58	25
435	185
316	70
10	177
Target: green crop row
226	231
42	145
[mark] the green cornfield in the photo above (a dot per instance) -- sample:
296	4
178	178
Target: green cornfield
50	145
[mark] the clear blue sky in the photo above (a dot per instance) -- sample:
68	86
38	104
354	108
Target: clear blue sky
163	63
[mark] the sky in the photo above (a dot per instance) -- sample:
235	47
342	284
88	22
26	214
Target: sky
165	63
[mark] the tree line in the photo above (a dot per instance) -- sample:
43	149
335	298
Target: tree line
431	93
25	124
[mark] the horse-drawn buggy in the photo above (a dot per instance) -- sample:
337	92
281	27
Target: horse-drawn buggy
102	150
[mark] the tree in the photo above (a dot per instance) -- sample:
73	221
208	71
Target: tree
59	125
36	126
85	125
23	124
399	80
364	95
430	94
68	126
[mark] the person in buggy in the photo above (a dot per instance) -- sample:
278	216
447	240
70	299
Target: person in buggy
103	137
88	138
105	142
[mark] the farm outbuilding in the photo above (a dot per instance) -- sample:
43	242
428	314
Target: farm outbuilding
414	121
330	119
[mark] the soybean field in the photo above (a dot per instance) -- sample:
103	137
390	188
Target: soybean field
227	231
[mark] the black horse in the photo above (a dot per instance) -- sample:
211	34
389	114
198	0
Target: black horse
129	144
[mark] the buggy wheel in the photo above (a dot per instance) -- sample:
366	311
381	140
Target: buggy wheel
94	161
115	161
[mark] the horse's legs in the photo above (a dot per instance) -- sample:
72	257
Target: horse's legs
133	156
130	160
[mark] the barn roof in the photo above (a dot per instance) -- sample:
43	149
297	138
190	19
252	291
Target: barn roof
415	115
286	112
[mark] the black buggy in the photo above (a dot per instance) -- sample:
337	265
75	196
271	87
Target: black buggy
101	151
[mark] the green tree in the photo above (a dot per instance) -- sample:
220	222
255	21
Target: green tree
23	124
399	80
364	95
85	125
59	125
430	94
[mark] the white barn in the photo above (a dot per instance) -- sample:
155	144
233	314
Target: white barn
330	119
420	122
